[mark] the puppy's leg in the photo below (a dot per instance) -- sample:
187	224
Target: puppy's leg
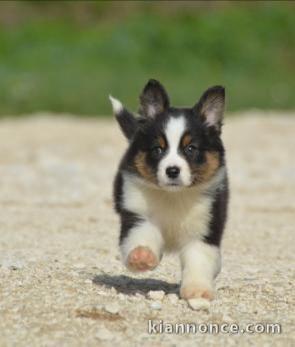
201	263
142	247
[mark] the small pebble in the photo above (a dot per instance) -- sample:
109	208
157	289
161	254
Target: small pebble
156	294
121	296
199	304
88	281
104	334
102	293
156	305
113	290
173	298
112	308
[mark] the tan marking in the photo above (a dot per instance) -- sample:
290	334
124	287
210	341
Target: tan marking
142	167
162	142
207	170
186	140
213	163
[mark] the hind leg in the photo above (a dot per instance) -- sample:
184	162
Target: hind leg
142	247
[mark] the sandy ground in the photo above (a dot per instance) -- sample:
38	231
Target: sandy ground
62	282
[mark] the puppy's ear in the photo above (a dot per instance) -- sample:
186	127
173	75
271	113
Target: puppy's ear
211	107
126	119
153	99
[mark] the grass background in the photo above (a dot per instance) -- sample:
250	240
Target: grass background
68	56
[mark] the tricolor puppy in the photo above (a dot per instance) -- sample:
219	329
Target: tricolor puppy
171	188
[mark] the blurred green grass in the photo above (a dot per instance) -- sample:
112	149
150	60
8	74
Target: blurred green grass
60	65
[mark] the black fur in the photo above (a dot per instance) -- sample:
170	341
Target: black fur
218	215
127	122
153	94
128	219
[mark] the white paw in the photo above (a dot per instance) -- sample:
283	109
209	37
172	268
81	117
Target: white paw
142	259
195	290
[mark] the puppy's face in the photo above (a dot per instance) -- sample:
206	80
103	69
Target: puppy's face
174	148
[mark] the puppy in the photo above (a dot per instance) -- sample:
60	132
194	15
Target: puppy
171	189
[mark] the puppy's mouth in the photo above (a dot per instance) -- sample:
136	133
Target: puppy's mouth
173	182
174	185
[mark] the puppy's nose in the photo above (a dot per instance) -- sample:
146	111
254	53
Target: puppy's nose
172	171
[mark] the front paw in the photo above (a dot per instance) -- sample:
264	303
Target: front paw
194	291
142	259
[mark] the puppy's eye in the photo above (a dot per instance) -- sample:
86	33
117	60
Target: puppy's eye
157	151
190	150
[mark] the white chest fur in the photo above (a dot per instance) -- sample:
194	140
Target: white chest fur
180	216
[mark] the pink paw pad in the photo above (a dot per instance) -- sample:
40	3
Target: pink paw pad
194	292
141	259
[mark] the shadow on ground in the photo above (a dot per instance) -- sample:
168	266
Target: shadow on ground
129	285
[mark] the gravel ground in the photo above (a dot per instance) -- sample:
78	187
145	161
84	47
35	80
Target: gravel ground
62	282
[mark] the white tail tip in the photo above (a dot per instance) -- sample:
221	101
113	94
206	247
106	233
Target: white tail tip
116	104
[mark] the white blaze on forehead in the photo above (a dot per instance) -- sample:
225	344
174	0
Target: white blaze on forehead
174	131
